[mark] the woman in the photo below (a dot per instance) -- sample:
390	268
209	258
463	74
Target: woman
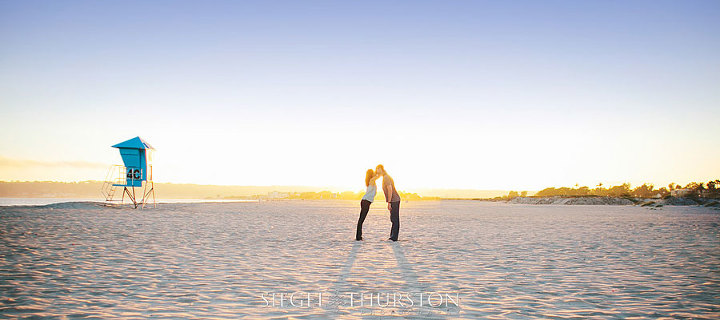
367	199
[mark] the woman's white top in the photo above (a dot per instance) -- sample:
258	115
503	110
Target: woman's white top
370	193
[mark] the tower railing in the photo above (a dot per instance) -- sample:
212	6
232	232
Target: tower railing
114	176
117	176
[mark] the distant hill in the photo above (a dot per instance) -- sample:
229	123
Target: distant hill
462	193
91	189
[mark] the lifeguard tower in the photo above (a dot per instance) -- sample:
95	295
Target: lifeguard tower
136	155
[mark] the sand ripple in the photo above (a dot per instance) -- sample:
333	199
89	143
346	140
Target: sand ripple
195	261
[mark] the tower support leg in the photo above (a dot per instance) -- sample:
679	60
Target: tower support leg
131	196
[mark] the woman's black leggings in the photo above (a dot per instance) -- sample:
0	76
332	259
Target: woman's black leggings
364	208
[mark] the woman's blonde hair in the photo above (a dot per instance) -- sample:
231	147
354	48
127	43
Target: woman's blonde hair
368	175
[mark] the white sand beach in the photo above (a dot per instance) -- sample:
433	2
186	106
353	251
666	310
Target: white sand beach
219	260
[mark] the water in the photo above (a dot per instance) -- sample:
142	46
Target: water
40	201
219	260
46	201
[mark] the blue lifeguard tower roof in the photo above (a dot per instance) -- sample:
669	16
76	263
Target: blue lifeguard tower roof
134	143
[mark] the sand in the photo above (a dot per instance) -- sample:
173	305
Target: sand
218	260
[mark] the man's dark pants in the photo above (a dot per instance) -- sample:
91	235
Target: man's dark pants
395	219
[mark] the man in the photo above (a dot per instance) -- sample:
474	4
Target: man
393	200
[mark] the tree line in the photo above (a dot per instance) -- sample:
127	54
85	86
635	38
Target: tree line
711	189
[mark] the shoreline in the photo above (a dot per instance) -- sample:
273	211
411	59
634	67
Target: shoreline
554	200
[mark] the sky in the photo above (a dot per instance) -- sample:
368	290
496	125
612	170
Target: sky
513	95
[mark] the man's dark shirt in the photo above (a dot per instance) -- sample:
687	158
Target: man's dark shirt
386	184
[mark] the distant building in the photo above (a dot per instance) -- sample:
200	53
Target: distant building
278	195
709	193
682	192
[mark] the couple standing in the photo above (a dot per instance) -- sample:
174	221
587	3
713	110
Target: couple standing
391	196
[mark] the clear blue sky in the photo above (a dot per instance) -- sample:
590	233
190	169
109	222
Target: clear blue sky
454	94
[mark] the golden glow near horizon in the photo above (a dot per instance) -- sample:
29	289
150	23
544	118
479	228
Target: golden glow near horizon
562	98
511	156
